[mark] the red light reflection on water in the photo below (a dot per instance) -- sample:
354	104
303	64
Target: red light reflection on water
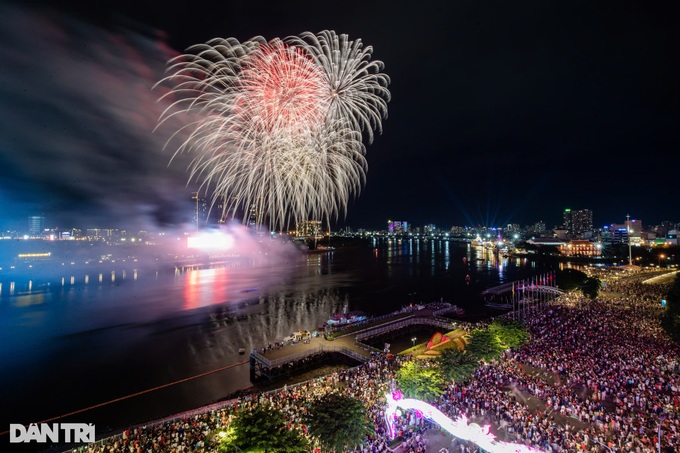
205	287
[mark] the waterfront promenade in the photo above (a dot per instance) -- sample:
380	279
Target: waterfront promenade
596	376
275	360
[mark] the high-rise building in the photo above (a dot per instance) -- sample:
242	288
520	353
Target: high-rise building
430	229
577	222
254	217
309	229
36	225
397	227
539	227
201	210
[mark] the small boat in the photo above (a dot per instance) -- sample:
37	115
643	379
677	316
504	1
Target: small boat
343	319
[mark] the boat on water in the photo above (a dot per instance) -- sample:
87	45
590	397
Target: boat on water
344	319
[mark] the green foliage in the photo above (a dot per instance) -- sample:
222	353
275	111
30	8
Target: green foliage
418	380
262	429
484	345
509	333
456	365
571	279
670	320
339	421
591	287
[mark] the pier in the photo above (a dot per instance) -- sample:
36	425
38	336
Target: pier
349	347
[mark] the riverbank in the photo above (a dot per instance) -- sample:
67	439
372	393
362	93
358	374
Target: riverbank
541	395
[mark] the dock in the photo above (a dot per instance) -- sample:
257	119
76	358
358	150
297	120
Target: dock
349	347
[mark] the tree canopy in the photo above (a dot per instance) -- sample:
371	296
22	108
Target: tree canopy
571	279
262	429
456	365
338	421
484	345
420	380
509	333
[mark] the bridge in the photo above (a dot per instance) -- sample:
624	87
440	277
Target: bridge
506	288
519	300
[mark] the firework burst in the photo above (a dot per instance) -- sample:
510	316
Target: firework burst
278	124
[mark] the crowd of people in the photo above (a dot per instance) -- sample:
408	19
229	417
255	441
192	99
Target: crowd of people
595	376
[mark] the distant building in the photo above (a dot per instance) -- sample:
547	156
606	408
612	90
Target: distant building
36	225
430	229
581	247
622	231
397	227
201	210
547	241
577	222
309	229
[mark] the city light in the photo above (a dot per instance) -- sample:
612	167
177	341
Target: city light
210	241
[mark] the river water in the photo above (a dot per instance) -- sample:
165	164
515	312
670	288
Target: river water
85	338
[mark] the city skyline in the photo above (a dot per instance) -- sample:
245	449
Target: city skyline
499	113
212	221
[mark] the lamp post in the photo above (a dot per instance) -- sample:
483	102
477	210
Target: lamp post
413	340
661	257
630	250
658	437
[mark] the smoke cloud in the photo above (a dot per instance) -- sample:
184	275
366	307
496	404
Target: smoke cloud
77	117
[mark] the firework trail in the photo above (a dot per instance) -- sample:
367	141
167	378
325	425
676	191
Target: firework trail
278	124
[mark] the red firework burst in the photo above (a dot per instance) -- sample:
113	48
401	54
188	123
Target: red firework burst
281	90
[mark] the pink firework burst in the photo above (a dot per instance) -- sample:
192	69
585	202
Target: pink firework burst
281	90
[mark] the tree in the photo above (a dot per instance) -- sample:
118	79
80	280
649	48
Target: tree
456	365
417	380
262	429
509	333
484	345
339	421
570	279
591	287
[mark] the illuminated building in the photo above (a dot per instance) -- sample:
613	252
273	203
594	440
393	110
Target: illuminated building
581	247
397	227
201	211
578	222
309	229
36	225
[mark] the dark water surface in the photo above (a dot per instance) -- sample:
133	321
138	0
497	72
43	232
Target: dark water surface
76	343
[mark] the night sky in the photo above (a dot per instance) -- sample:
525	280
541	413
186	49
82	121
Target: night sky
501	112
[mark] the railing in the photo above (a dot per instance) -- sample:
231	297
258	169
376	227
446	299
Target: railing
444	310
310	352
184	416
404	323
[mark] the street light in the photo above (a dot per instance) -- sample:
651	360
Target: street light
658	438
413	340
660	258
